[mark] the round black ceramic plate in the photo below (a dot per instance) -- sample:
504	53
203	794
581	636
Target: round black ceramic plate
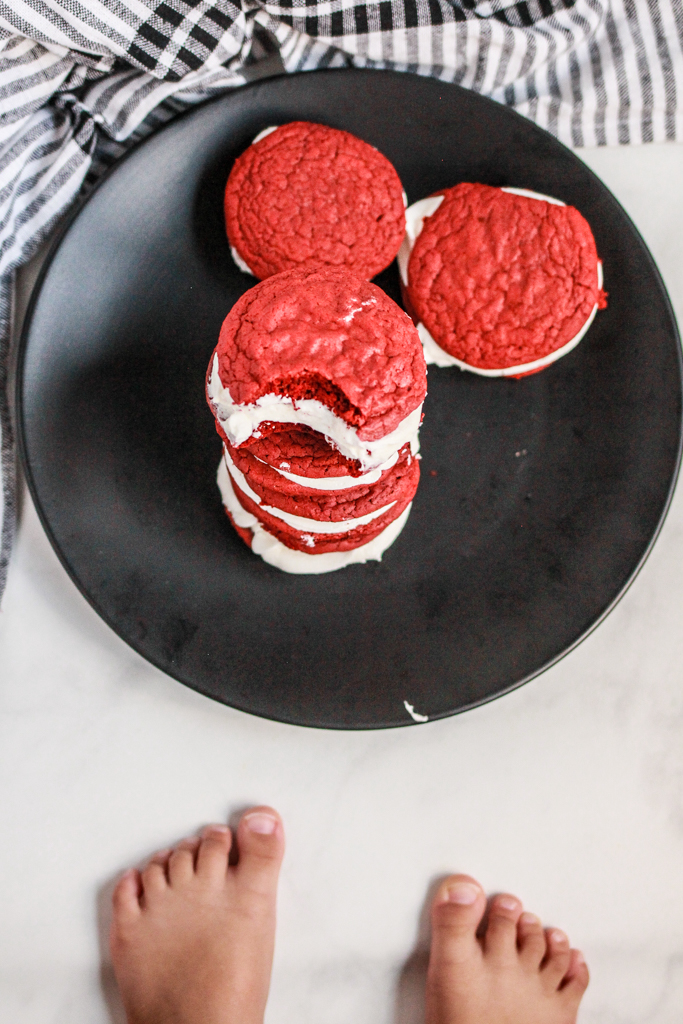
539	498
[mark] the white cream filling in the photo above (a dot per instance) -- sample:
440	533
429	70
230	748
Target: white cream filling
434	354
240	422
416	717
301	522
532	195
415	218
335	483
287	559
266	131
240	262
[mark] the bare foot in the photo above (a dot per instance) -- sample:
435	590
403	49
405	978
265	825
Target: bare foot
192	937
515	973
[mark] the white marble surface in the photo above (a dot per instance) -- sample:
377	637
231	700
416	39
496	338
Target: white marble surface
569	792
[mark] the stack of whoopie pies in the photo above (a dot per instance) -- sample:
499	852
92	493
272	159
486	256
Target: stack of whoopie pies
318	378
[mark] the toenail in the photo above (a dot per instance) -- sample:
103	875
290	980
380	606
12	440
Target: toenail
529	919
507	903
216	830
579	959
463	893
559	938
263	824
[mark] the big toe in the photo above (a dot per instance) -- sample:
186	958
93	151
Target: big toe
261	846
457	911
126	911
126	897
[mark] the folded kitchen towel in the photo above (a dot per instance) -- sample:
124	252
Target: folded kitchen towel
82	82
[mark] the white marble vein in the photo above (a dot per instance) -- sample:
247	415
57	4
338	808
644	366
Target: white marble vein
568	792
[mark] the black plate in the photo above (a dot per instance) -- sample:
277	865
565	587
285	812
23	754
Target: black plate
539	499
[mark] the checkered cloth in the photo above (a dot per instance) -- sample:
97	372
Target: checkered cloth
82	80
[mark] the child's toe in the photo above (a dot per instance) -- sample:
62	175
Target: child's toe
126	897
531	941
181	863
500	940
213	852
457	911
153	879
575	981
557	958
261	845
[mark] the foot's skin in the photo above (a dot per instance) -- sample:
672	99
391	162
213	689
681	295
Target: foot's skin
192	936
514	973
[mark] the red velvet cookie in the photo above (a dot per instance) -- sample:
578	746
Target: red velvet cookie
297	551
324	349
320	545
302	537
501	280
284	475
297	450
307	195
271	488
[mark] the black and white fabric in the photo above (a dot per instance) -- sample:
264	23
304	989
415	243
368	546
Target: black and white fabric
82	80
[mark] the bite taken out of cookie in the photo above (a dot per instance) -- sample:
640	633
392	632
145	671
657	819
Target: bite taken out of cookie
316	386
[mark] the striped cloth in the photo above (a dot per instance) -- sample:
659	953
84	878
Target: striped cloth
82	80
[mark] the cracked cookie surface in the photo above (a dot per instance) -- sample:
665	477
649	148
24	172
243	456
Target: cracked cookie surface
327	335
308	195
502	280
